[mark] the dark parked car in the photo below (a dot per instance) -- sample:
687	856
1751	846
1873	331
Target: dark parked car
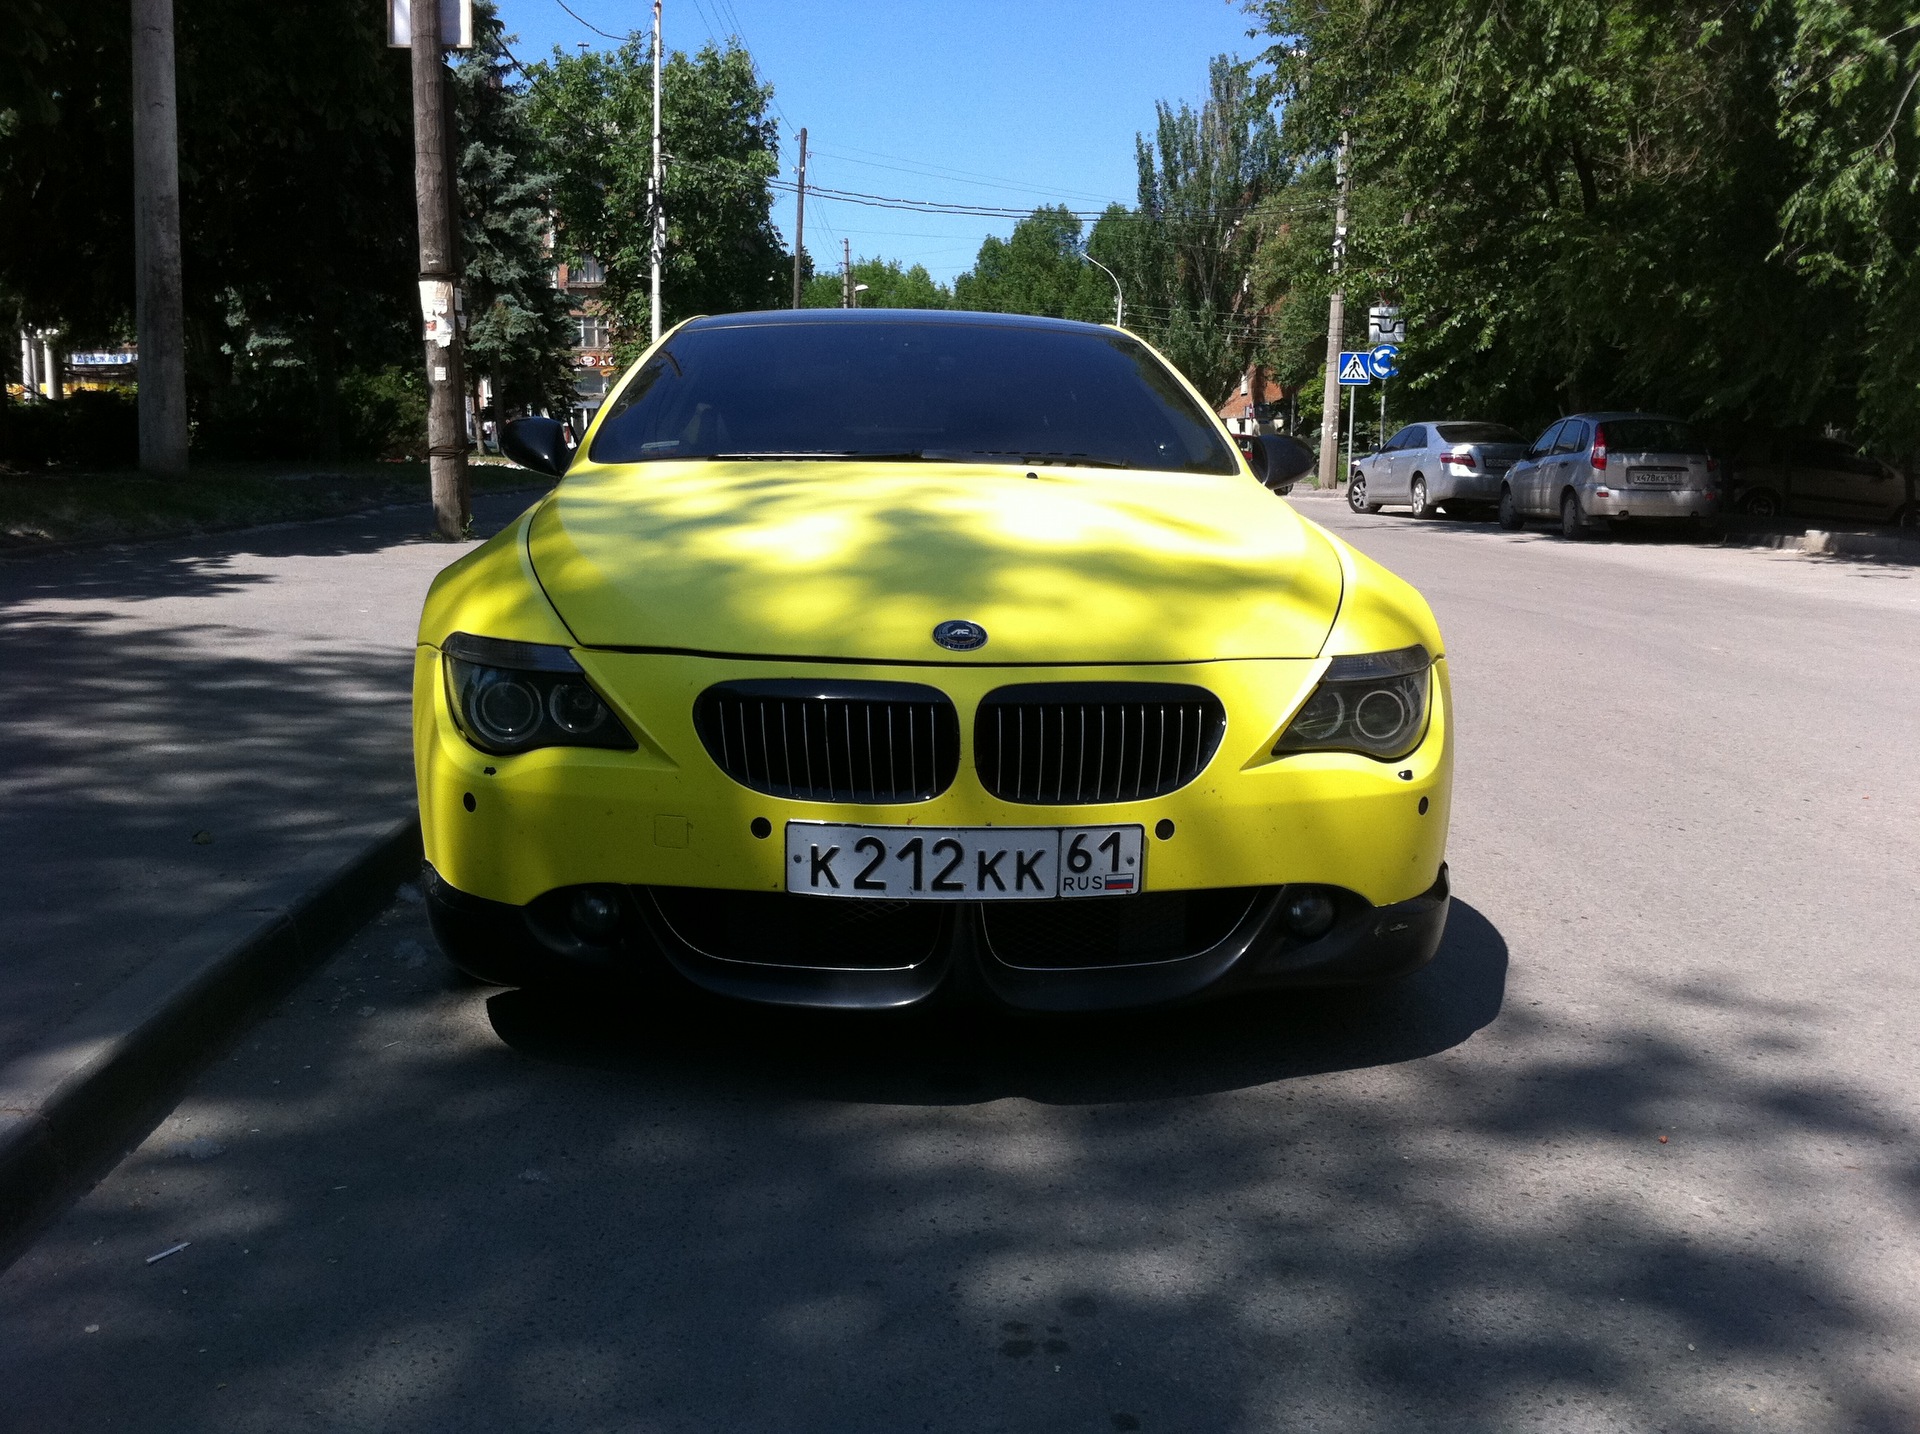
1775	475
1618	468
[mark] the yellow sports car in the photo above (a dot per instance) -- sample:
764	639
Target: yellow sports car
868	657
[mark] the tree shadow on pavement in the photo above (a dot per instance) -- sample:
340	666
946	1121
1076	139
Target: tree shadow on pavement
214	564
1271	1216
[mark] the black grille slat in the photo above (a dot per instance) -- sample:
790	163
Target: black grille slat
881	742
1074	743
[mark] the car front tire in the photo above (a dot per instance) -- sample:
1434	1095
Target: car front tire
1508	514
1761	503
1357	494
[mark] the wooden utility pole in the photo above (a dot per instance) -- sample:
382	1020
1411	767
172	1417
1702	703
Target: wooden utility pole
1330	474
800	220
846	273
433	193
158	315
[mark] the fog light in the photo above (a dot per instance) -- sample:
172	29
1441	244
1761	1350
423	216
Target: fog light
1309	913
594	914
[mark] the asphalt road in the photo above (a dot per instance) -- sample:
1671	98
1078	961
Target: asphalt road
1684	851
189	722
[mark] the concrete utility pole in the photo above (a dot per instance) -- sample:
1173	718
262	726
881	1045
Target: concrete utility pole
158	306
846	273
800	219
433	193
659	178
1336	332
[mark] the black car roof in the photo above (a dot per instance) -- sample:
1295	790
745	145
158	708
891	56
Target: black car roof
923	317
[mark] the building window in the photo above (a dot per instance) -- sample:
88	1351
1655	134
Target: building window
586	270
592	330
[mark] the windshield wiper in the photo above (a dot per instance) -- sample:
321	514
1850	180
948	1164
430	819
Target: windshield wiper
1048	460
905	455
817	455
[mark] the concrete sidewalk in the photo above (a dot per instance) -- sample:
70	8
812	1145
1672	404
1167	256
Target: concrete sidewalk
203	734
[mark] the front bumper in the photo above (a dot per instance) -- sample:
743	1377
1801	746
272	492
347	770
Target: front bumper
513	828
957	957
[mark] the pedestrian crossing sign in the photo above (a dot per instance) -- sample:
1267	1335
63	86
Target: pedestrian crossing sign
1354	368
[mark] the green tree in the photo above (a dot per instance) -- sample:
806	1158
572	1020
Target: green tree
519	333
722	252
1210	182
1035	270
1579	202
297	220
1852	226
889	286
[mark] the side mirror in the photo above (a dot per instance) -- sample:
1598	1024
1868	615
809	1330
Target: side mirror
537	443
1278	460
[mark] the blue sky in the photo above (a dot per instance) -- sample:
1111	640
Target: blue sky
986	102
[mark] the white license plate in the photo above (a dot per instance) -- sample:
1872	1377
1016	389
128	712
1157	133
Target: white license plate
963	863
1655	477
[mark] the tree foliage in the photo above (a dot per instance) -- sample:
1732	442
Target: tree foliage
1184	255
519	332
1035	270
889	286
1675	204
296	204
722	252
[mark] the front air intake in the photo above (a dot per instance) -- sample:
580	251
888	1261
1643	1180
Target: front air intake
1071	743
859	742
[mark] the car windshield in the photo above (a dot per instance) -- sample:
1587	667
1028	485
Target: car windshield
1651	435
1477	433
910	389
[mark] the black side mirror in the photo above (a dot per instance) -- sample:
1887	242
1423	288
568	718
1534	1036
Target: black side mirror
537	443
1278	460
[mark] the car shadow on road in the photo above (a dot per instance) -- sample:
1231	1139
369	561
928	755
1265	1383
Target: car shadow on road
962	1057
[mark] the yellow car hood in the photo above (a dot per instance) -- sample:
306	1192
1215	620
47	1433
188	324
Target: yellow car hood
862	560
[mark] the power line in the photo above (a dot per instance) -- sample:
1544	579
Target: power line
621	39
954	176
997	211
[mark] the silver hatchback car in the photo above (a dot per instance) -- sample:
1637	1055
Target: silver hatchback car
1451	465
1619	467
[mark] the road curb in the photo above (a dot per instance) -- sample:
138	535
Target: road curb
1891	546
67	1113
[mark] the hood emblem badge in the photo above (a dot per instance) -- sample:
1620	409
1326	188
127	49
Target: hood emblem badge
959	636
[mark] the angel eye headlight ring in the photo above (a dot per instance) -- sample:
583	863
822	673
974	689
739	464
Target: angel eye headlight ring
1372	703
511	697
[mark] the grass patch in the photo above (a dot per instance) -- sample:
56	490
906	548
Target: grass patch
39	510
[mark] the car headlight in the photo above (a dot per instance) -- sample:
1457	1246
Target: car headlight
512	697
1375	703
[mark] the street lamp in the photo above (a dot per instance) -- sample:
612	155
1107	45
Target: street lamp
1119	299
858	290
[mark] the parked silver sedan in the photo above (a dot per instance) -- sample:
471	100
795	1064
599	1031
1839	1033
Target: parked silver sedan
1612	467
1434	465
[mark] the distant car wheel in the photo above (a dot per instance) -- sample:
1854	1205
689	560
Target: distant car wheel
1357	495
1508	515
1573	523
1761	503
1417	497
